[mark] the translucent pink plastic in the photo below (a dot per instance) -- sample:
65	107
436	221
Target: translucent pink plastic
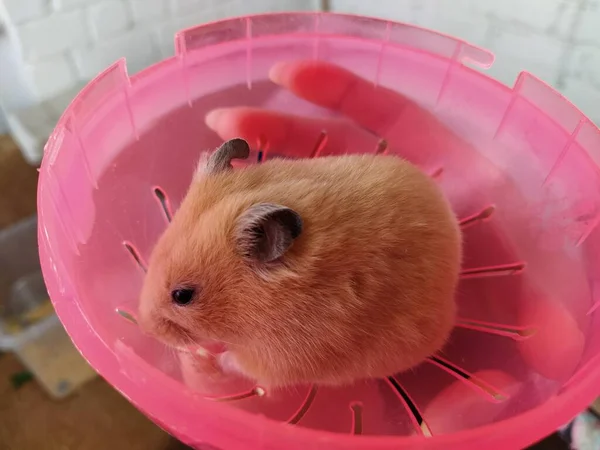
524	357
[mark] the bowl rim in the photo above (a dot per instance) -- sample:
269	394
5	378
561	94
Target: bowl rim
521	429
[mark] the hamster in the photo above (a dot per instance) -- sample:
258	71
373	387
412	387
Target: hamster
326	270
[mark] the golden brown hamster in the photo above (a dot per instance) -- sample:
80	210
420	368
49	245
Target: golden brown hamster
323	270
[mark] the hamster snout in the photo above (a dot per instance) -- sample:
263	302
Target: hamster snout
324	270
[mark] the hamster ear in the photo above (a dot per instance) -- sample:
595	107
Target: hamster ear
220	159
265	231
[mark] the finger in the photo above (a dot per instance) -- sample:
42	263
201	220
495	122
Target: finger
333	87
413	132
296	136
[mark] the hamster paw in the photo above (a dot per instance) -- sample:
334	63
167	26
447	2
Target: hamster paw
206	365
229	363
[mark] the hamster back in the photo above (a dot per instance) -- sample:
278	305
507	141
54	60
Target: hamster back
326	270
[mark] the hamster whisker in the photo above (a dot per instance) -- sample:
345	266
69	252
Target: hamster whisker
171	351
227	342
179	349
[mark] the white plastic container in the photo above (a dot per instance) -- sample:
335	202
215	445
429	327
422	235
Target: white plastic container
21	284
28	325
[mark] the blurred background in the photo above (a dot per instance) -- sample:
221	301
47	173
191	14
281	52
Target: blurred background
49	397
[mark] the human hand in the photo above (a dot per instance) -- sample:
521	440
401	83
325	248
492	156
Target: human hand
368	114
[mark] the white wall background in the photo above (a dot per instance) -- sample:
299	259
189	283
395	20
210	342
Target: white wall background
61	42
556	40
50	45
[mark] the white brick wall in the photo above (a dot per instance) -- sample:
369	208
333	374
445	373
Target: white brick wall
184	7
136	46
521	48
556	40
53	34
459	21
536	14
61	5
166	32
584	64
64	42
589	28
148	10
50	76
19	11
109	18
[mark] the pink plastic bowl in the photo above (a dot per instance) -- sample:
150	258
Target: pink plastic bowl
524	357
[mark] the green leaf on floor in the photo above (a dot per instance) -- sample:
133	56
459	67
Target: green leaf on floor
21	378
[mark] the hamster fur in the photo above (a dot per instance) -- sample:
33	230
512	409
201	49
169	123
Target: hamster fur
324	270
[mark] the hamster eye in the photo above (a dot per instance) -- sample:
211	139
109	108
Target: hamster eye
182	296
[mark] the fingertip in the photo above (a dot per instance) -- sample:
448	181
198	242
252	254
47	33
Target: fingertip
214	118
244	122
229	123
281	73
319	82
302	75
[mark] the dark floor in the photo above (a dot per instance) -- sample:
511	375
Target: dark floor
553	442
97	417
18	184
